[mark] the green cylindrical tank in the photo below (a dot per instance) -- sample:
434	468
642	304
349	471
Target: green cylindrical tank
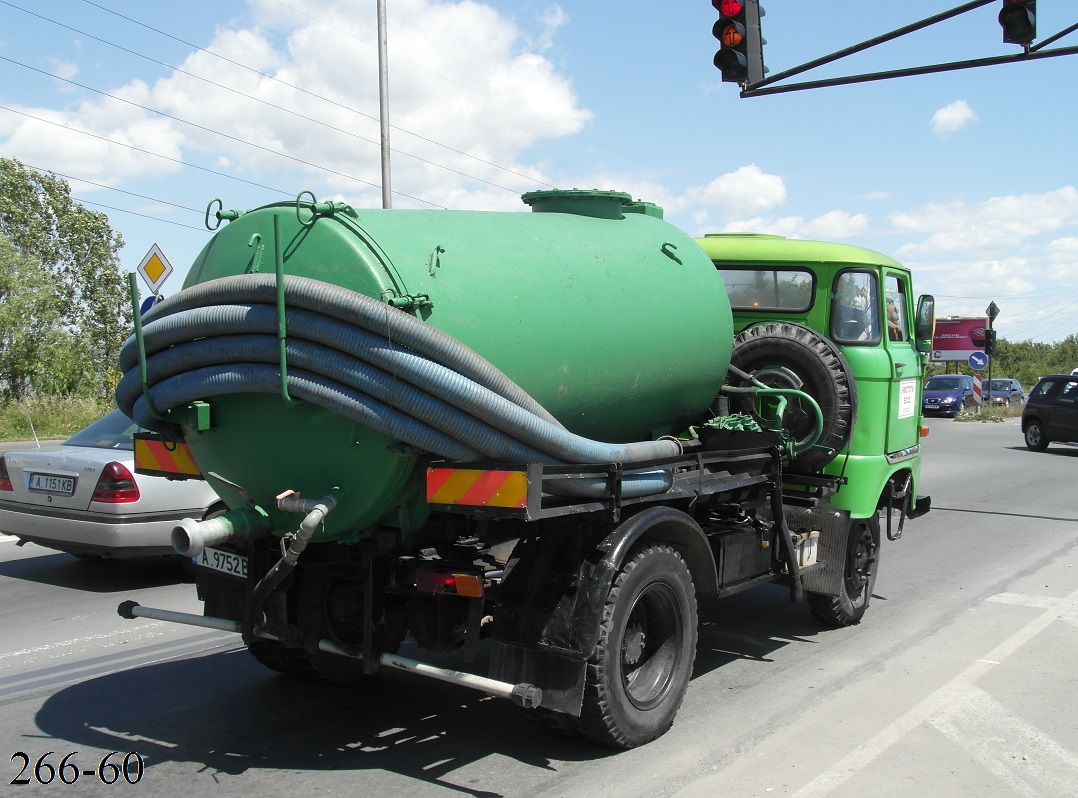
612	319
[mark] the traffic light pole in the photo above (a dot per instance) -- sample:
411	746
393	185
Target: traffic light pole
751	90
766	86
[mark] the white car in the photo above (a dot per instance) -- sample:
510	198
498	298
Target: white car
83	497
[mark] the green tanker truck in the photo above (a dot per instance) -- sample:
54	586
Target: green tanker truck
537	436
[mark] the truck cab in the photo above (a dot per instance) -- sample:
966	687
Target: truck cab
862	304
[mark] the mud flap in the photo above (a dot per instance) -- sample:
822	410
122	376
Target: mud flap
834	528
561	676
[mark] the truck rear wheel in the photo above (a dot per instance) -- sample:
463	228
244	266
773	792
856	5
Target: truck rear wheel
858	579
638	674
785	355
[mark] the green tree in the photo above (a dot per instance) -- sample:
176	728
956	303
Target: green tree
78	249
38	353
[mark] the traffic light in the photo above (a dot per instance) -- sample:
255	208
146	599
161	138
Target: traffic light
1018	18
990	342
740	58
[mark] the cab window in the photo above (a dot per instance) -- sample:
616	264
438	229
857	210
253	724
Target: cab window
768	289
895	310
855	308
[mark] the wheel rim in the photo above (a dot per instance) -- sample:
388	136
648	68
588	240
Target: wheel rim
651	646
1033	435
860	561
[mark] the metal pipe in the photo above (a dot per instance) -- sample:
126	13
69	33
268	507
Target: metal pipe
524	695
132	609
316	513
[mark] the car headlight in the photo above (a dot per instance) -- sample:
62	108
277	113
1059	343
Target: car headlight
948	400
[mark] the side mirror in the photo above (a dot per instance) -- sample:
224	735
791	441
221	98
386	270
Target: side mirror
924	323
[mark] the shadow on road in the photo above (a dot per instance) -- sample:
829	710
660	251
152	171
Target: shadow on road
228	714
95	576
751	626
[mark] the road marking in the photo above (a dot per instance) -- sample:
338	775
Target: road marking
944	702
1006	746
1021	600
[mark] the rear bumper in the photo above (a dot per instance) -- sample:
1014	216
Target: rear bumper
100	534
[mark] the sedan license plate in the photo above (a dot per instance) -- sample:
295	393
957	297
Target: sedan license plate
51	483
224	561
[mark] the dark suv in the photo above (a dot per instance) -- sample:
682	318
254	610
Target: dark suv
1051	412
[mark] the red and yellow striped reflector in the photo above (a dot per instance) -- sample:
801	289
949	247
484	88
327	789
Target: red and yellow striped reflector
154	456
477	488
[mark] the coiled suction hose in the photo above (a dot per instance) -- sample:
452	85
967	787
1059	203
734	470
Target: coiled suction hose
365	360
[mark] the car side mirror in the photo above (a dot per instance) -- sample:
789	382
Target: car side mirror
924	323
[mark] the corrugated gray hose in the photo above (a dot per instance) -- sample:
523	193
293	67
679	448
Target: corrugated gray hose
362	359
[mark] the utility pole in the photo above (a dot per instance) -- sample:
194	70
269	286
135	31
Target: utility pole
383	103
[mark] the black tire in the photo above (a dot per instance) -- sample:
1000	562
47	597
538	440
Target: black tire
784	355
1036	440
858	577
276	657
331	608
637	676
557	722
224	598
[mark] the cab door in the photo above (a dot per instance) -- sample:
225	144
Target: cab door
904	405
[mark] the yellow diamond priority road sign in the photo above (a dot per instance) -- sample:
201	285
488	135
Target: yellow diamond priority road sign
155	269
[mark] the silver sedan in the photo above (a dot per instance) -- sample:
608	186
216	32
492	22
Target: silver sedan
83	497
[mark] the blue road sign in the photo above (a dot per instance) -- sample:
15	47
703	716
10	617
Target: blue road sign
978	361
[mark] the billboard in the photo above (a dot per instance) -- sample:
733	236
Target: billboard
956	338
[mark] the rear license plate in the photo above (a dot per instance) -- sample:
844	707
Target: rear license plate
224	561
50	483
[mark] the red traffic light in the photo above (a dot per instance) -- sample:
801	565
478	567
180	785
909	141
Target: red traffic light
728	8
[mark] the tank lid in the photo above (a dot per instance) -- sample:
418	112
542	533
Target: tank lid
582	202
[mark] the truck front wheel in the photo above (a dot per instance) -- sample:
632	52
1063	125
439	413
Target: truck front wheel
858	578
638	674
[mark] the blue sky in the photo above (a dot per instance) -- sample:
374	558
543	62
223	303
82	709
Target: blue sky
969	177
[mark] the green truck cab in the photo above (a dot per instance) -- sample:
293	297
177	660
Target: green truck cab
872	336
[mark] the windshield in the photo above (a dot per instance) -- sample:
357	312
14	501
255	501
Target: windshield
1000	385
113	431
943	384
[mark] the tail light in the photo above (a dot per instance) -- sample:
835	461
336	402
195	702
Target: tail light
116	485
5	480
469	585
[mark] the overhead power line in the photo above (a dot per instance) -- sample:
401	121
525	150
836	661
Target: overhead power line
266	103
306	91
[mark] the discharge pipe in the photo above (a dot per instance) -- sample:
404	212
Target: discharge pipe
191	537
316	511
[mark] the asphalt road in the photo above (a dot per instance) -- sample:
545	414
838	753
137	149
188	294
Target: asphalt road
960	680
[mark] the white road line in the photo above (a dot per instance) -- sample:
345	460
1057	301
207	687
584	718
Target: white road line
943	702
1007	746
1021	600
134	632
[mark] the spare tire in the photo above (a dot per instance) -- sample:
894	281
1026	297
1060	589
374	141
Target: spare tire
786	355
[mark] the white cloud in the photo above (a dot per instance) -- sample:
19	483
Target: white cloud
551	19
745	186
952	118
985	228
514	99
833	225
